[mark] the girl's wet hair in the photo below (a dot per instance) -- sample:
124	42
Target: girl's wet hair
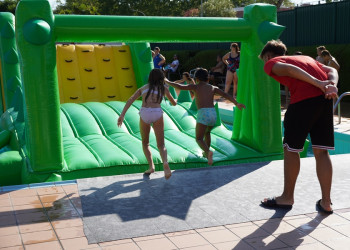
156	83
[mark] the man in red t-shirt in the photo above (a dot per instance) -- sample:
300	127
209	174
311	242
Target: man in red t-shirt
312	86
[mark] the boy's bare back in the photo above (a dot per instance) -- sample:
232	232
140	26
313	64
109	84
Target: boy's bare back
203	91
204	95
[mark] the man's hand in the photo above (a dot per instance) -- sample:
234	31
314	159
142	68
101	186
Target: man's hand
322	84
331	91
328	88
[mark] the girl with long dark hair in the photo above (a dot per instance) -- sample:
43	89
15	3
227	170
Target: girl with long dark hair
151	114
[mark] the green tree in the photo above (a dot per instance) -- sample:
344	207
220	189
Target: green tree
279	3
218	8
8	6
148	8
126	7
78	7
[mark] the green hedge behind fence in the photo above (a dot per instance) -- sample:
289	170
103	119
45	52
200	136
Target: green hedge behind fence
207	59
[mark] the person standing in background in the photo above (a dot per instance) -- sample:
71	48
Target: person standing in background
231	59
158	58
329	60
319	58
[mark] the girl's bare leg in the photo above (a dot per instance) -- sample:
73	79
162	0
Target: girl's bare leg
145	129
229	80
158	128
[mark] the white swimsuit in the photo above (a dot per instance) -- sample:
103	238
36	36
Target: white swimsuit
150	115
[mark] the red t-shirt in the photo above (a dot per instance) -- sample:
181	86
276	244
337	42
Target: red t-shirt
299	90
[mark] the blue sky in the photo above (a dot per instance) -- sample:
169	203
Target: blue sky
301	1
53	3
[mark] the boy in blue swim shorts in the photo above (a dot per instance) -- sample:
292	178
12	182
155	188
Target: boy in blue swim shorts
206	116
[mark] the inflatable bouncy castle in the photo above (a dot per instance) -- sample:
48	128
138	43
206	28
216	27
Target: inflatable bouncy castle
65	80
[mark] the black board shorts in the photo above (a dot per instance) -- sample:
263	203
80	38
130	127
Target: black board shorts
312	116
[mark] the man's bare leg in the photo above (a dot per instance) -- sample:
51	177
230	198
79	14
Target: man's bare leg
324	171
291	172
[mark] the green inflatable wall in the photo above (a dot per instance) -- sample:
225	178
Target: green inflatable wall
66	141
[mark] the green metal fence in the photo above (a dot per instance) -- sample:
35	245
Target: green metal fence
307	25
316	24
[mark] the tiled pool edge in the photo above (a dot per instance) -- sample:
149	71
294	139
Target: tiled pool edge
36	185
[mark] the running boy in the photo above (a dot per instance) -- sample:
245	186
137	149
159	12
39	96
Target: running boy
312	86
151	113
206	116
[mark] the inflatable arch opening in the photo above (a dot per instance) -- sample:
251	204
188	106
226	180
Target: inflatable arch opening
66	130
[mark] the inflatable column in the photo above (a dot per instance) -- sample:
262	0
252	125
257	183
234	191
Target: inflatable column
36	45
142	63
259	125
10	73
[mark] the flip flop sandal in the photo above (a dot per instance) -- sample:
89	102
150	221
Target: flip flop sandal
321	209
271	203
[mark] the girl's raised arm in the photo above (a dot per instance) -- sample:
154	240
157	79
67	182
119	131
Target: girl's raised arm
170	97
133	98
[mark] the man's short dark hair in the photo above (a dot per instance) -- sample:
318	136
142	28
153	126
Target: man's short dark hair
321	48
275	47
201	74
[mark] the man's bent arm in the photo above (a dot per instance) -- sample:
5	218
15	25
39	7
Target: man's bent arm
332	74
286	69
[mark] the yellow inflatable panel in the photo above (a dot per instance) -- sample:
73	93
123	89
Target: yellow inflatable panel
88	73
107	73
95	73
68	74
126	77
